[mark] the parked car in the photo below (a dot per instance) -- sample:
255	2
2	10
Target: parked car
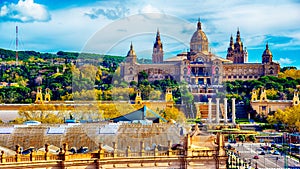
256	157
83	150
73	150
266	148
262	153
28	151
200	124
177	147
276	153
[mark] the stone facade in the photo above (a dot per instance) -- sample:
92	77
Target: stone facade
199	66
128	148
264	106
235	52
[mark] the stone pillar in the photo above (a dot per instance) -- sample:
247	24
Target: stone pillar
101	151
65	147
115	149
65	152
17	157
142	148
225	110
233	111
128	151
169	148
218	110
47	152
60	154
32	156
3	160
209	110
221	145
155	150
188	146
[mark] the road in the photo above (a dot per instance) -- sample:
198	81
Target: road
248	150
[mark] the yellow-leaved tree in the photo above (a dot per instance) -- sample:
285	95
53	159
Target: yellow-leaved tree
292	73
172	113
289	116
271	94
44	113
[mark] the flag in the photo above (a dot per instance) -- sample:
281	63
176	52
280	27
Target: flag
189	69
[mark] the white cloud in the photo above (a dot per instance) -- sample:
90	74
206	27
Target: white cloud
285	61
24	11
119	11
256	19
150	9
70	28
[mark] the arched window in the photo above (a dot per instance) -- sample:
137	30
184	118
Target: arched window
271	71
185	71
199	47
131	70
217	70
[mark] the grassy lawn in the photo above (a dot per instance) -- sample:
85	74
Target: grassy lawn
242	121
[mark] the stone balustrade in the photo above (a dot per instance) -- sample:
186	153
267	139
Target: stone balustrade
64	155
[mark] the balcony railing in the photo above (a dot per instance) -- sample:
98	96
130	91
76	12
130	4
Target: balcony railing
105	155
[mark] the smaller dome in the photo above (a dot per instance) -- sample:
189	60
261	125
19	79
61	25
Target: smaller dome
131	52
267	52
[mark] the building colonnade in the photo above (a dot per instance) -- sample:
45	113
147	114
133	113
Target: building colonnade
217	120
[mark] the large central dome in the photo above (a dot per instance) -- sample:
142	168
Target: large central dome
199	41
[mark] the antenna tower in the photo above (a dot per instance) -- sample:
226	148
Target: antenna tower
17	43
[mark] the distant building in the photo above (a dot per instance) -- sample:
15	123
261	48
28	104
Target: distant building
263	106
200	67
111	145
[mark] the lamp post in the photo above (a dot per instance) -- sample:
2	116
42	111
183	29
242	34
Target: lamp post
250	162
228	160
231	161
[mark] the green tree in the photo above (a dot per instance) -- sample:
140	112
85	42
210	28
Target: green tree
252	138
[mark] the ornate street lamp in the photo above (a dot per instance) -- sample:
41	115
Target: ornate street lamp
228	161
245	164
231	161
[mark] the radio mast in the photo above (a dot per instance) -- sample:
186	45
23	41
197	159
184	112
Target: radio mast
17	43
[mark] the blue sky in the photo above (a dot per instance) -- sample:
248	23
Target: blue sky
108	27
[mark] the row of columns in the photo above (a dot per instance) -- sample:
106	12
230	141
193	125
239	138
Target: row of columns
218	110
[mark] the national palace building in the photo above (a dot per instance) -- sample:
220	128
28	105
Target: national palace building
200	67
